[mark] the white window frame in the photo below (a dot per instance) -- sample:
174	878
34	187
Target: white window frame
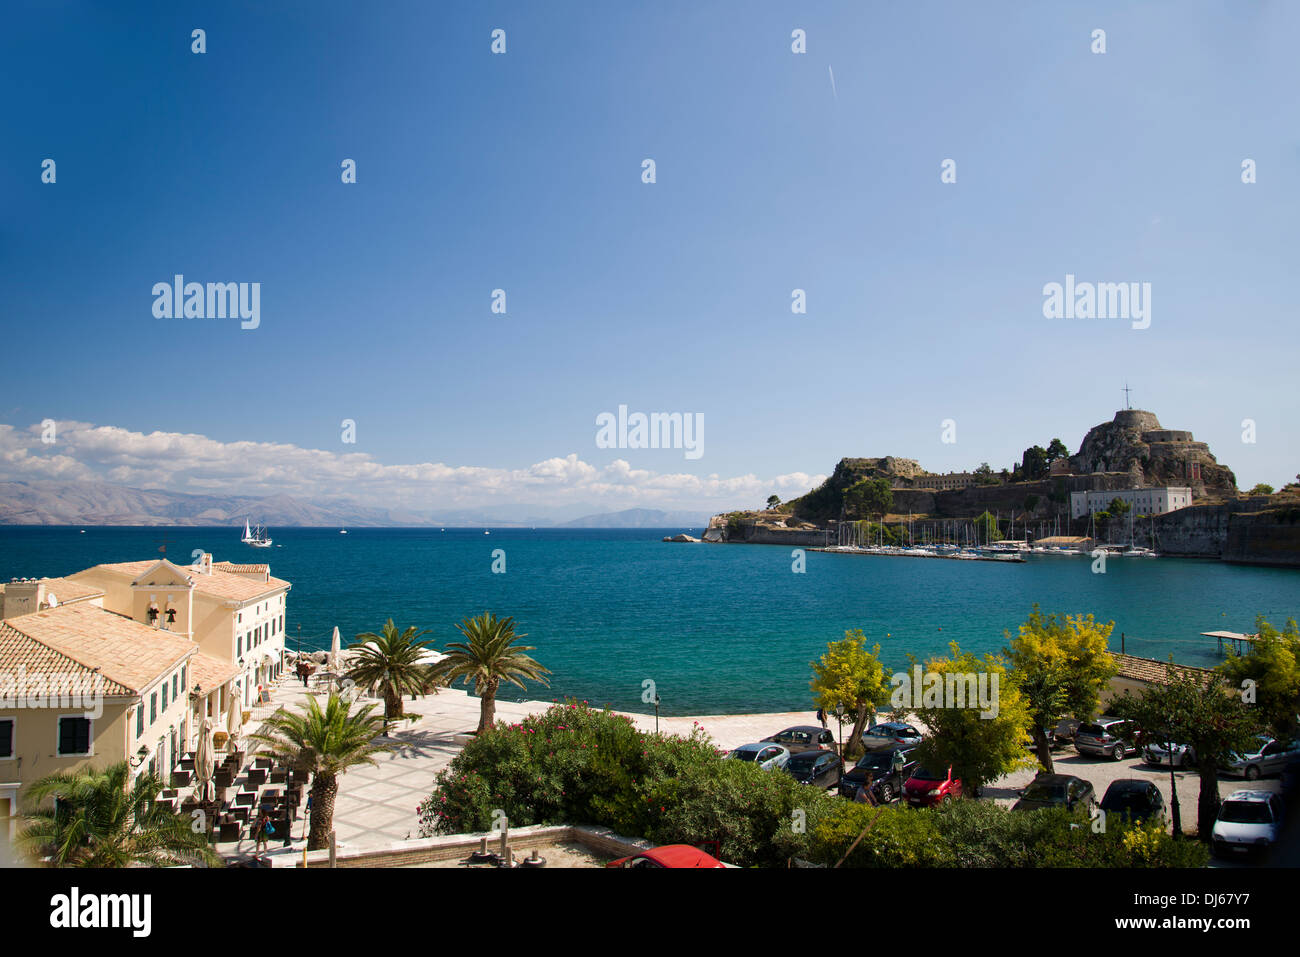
13	740
58	733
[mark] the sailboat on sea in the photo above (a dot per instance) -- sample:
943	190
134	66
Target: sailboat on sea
256	537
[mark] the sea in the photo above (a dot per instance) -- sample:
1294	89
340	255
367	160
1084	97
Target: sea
619	615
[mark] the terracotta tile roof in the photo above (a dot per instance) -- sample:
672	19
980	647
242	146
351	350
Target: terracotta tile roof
234	569
129	655
38	661
220	584
65	589
209	672
1152	671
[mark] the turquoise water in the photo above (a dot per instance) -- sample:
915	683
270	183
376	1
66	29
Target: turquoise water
720	629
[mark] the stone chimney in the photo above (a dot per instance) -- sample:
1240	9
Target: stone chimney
24	597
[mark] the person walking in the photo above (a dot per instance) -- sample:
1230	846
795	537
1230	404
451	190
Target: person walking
263	831
821	716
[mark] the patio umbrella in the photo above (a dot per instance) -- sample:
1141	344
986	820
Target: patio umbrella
335	650
234	724
205	762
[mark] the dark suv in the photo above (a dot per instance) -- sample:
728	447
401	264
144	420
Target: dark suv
887	784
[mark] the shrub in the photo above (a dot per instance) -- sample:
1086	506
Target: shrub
972	834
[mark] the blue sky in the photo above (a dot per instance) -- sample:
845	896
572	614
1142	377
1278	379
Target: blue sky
522	171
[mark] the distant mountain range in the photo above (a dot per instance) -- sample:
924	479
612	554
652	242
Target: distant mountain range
98	503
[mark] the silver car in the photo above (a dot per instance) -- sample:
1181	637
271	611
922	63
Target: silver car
767	756
1163	754
1106	738
1270	758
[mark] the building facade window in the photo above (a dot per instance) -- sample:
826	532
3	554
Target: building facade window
74	735
153	707
139	720
7	737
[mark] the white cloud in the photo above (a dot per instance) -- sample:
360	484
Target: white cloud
182	462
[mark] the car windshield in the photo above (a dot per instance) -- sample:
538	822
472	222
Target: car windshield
1093	729
1245	812
744	755
925	775
877	761
803	760
1125	801
1045	792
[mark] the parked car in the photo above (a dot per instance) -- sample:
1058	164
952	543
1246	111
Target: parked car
891	734
1137	799
819	768
1164	754
1052	743
1270	758
927	788
1248	821
1056	790
766	756
1065	730
887	784
1107	738
669	855
806	737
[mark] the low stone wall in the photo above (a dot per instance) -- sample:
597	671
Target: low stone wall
455	847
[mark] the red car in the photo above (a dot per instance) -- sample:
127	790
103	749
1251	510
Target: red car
670	855
927	788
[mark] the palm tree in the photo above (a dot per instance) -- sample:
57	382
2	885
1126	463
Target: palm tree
103	819
325	744
487	657
391	660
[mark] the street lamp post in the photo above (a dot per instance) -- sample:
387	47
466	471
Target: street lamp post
656	713
839	719
1174	809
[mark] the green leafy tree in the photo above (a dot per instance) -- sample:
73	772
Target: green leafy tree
103	819
1269	672
851	677
1262	489
488	656
1119	507
323	743
869	497
986	528
1063	663
1198	710
773	501
1034	462
391	662
980	745
1056	450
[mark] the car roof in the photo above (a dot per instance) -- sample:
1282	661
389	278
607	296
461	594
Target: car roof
756	746
1057	779
1249	796
890	724
1129	784
680	855
810	754
813	728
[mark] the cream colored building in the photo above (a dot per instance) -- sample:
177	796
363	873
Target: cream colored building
82	687
235	612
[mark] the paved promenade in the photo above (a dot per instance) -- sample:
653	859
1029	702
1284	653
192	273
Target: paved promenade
376	805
